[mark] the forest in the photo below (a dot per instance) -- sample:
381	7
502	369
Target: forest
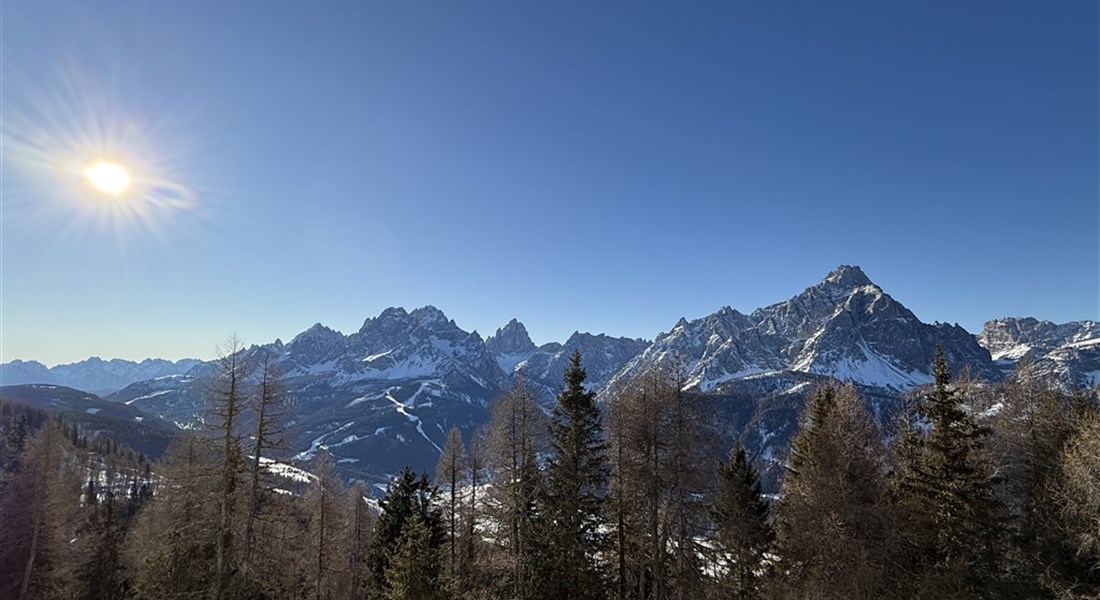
969	490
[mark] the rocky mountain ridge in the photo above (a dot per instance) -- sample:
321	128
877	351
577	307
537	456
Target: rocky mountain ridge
844	327
385	395
1067	353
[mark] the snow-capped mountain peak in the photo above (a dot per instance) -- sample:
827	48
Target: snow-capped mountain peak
844	326
510	345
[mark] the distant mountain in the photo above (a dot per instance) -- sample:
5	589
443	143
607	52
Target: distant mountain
94	374
1066	354
602	357
844	327
511	345
385	395
125	425
377	399
544	366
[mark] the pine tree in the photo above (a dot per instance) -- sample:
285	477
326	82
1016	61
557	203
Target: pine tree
833	522
413	570
743	529
947	493
571	518
408	498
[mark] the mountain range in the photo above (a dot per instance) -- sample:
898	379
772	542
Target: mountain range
94	374
385	395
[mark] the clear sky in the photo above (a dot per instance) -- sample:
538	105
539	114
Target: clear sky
601	166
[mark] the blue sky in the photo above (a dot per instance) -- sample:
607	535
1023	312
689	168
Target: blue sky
606	166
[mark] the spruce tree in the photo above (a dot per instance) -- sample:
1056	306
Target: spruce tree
742	526
408	498
947	492
571	508
413	570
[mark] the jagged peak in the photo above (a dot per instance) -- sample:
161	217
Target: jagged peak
393	312
513	327
510	339
848	276
315	331
428	313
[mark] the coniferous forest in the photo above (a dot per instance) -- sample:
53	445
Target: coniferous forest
970	490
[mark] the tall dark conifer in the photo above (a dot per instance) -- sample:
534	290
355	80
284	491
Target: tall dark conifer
947	492
570	518
743	529
408	498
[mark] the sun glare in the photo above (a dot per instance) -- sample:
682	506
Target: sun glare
108	178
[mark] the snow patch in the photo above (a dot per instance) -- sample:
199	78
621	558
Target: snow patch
374	357
147	396
287	471
509	362
873	370
404	410
1011	354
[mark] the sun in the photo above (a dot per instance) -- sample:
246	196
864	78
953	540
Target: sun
108	178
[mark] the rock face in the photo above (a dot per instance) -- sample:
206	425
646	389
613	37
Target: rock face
1066	354
510	345
386	395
